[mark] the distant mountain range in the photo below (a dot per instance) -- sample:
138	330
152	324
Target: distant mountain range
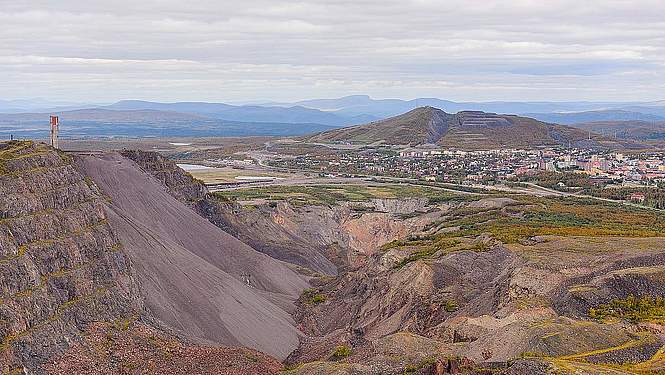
28	118
246	113
633	130
364	105
40	105
100	122
588	116
466	130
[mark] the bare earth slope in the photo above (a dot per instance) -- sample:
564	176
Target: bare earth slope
483	289
325	239
196	278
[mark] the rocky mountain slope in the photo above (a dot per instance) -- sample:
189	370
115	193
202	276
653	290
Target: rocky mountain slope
61	267
421	125
465	130
123	263
180	184
97	255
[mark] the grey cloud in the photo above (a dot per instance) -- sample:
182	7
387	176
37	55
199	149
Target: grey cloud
231	50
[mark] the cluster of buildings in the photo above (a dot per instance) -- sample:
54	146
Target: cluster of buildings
488	165
638	169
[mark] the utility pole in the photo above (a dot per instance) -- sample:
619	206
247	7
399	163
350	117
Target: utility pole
55	124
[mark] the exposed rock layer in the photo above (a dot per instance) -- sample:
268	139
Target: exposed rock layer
321	238
61	265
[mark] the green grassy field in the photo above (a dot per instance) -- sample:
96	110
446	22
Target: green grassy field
334	194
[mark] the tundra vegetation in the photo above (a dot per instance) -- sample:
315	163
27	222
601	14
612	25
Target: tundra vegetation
632	309
335	194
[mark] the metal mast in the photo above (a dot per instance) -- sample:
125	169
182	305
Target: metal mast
55	123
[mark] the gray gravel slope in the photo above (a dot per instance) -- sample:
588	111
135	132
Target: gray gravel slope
194	275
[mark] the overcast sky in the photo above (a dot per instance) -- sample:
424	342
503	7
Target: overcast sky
215	50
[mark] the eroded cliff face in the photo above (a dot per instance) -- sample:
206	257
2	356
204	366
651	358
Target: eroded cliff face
325	239
61	265
197	279
91	286
487	302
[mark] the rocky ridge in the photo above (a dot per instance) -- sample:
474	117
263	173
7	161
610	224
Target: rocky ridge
61	265
180	184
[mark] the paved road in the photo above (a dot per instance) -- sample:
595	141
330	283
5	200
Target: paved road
577	195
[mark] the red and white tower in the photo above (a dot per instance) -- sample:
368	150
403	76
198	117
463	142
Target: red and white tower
55	123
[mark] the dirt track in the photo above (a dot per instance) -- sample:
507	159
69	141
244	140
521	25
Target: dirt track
192	274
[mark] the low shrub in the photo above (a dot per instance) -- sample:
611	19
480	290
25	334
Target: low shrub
341	351
631	309
311	297
450	305
317	298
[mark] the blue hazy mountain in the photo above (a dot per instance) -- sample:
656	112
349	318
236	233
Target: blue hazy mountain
364	105
592	116
246	113
39	105
185	107
629	129
141	118
102	122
